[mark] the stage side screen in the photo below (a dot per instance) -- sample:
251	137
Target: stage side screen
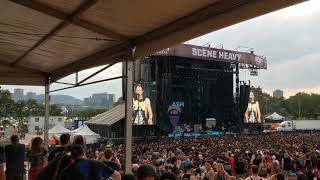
142	106
253	113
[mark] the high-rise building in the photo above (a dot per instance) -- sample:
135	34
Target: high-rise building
17	94
278	94
100	100
30	95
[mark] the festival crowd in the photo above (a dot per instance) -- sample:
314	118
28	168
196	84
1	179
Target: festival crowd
275	156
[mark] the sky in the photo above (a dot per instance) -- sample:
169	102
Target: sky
289	38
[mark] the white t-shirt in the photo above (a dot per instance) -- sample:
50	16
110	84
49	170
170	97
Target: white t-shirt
253	112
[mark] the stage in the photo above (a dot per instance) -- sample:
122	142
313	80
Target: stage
195	134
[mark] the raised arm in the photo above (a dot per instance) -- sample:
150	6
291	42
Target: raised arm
258	112
149	111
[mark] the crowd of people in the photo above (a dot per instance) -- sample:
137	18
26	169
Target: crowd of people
293	156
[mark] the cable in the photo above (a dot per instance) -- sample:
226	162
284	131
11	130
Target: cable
61	36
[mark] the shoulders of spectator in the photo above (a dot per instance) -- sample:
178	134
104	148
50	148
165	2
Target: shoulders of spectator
105	170
112	165
44	152
60	149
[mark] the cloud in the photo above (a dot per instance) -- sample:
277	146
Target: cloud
290	41
294	75
278	35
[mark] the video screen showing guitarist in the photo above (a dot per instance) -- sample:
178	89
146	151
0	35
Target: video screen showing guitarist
142	112
253	114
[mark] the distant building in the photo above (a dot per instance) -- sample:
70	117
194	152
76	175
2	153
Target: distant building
278	94
31	95
18	95
104	100
36	123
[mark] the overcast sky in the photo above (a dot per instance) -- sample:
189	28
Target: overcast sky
289	38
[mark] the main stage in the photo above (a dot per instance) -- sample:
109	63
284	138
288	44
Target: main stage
187	85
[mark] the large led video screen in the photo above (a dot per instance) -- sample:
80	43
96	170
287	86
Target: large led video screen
142	106
253	113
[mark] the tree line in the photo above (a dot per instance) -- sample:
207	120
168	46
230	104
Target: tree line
20	110
299	106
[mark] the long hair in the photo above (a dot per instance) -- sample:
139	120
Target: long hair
222	173
55	168
79	140
254	97
138	85
36	145
135	87
14	139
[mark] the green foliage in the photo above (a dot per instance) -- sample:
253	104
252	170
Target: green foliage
22	109
6	103
309	105
55	110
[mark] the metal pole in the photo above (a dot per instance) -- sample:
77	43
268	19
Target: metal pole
237	84
128	120
238	95
77	78
103	80
46	114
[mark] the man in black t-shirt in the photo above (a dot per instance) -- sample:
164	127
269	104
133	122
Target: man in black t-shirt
257	160
112	159
65	143
15	156
83	169
175	167
189	175
146	172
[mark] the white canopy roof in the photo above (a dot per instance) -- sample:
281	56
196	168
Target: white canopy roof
51	39
58	130
90	136
275	116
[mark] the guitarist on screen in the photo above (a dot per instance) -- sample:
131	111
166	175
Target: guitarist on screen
142	112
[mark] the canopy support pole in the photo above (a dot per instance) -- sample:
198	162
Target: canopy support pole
128	120
46	114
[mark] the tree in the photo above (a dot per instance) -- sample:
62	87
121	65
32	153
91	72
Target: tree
24	109
55	110
34	108
304	106
20	114
6	104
